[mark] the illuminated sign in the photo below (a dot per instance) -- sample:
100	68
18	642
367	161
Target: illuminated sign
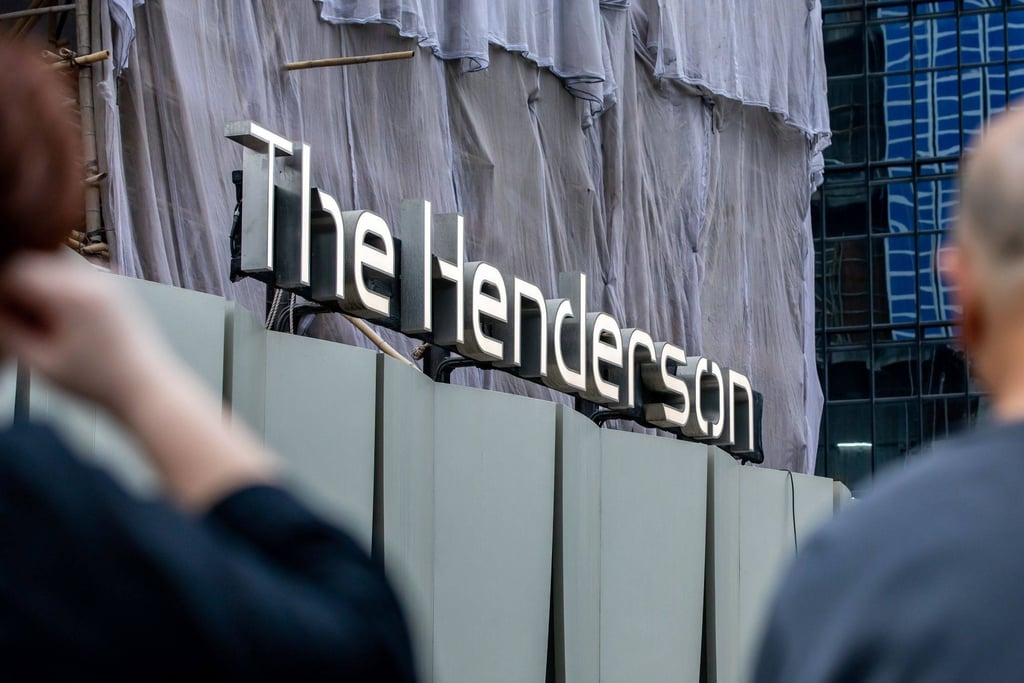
297	238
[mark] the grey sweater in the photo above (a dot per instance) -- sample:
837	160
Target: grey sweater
921	580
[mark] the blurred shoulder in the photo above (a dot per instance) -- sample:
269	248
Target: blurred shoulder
938	502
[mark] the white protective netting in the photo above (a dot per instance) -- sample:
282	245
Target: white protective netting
668	149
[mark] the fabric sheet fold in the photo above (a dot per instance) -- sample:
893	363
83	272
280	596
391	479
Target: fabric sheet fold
685	207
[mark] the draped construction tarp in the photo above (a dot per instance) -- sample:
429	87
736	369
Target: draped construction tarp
668	149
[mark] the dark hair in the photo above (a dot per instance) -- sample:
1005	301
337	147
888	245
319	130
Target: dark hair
41	174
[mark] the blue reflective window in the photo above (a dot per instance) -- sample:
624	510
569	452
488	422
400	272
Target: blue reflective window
935	72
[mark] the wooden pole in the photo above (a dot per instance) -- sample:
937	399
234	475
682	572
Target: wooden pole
346	61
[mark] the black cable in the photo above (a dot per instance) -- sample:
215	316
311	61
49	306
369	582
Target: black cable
444	369
235	236
792	499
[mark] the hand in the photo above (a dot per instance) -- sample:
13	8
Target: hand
75	327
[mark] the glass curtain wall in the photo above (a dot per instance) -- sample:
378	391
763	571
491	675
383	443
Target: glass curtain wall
910	85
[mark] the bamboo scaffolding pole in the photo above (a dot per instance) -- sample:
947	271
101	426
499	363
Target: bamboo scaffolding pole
95	249
71	59
100	248
93	217
346	61
378	341
35	11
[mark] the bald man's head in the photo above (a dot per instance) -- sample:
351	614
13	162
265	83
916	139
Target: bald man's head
992	199
987	265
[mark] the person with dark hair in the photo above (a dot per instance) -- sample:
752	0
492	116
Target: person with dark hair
41	172
230	578
921	579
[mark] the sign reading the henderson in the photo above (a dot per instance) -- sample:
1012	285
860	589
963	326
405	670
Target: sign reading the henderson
295	237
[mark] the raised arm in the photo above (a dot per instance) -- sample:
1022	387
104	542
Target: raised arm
249	583
76	328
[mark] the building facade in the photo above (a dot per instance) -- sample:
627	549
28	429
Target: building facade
649	161
910	84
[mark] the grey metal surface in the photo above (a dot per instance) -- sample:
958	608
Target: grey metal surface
494	462
415	229
245	362
577	578
262	250
722	569
653	512
629	555
752	542
192	323
327	246
567	315
466	511
450	256
766	540
842	497
405	504
314	403
320	411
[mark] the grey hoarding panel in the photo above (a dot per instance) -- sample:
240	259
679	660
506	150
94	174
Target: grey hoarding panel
842	496
193	325
577	579
405	439
320	408
466	510
653	523
629	568
245	363
722	573
314	404
766	540
494	462
752	517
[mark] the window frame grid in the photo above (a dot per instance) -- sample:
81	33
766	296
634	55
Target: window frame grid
824	331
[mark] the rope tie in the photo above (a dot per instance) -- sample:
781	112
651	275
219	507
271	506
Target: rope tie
420	351
68	56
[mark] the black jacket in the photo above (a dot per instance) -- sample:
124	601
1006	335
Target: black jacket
98	585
